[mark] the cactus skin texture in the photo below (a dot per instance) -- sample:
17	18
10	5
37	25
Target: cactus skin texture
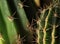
19	31
8	28
49	23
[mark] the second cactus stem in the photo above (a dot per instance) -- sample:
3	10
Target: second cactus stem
48	24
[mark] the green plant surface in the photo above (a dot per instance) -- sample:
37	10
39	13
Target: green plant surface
24	23
7	28
48	24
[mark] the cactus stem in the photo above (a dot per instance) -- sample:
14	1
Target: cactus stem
38	36
44	29
53	33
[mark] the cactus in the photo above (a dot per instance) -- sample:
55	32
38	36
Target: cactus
48	25
8	28
15	27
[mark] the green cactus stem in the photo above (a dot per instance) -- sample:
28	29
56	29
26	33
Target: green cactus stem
7	27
